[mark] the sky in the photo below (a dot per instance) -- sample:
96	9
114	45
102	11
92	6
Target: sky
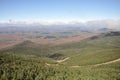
58	10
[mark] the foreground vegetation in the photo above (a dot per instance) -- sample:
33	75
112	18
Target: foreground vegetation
13	67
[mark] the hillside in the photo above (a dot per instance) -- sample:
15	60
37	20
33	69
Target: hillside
94	58
93	51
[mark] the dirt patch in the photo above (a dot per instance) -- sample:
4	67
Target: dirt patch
10	40
7	45
59	61
108	62
62	40
10	37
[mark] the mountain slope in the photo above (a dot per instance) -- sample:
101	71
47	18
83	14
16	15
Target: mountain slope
103	48
29	61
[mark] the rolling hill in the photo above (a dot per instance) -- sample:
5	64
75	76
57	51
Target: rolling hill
94	58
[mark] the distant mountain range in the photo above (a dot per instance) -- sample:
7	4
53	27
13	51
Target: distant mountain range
102	25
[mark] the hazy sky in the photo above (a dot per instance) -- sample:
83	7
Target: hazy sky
58	10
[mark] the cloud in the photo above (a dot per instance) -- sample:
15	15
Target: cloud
112	24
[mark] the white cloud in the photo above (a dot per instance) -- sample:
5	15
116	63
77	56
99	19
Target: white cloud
113	24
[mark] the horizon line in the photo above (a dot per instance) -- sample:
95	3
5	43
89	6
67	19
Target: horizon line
54	22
